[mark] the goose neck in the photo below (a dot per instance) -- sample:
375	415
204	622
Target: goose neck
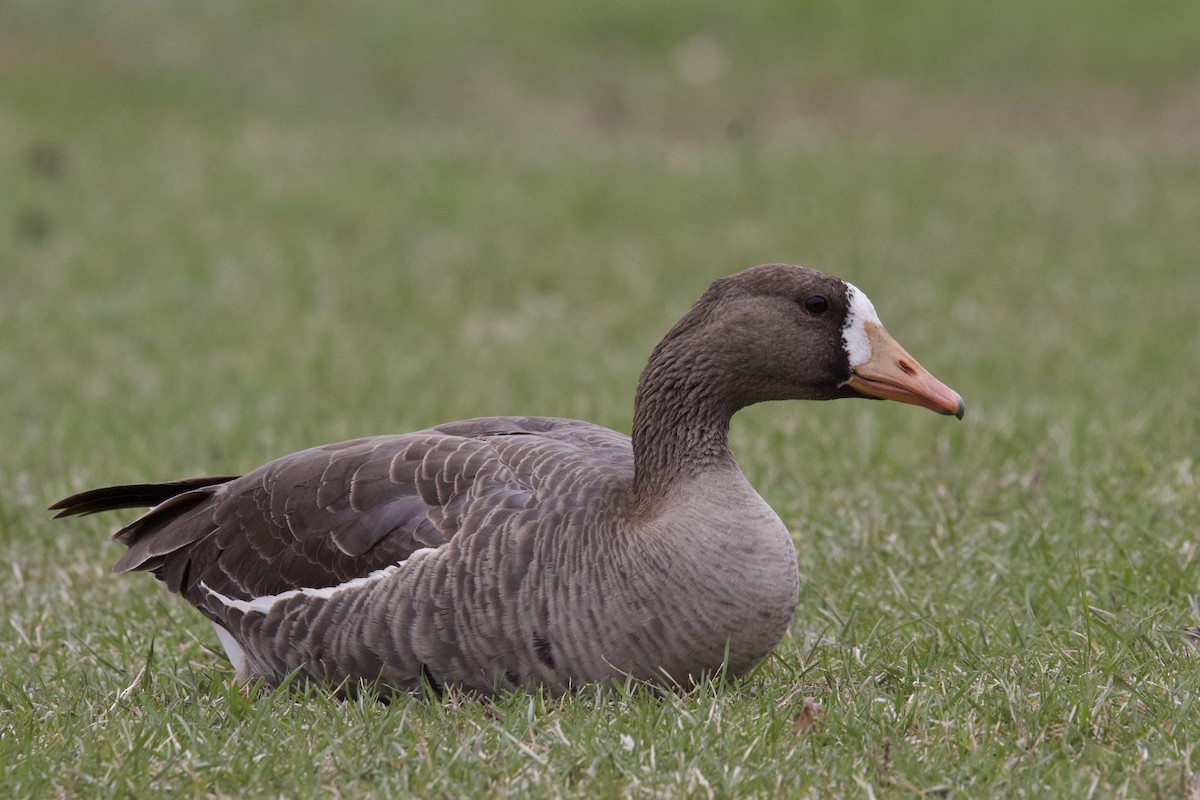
680	426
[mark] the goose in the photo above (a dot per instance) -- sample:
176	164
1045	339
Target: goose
510	553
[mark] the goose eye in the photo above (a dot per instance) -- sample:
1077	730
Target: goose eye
816	304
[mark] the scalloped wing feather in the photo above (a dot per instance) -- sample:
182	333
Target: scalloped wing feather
324	516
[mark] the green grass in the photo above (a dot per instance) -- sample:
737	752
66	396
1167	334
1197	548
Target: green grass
231	231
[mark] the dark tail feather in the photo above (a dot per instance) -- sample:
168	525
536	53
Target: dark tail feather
138	495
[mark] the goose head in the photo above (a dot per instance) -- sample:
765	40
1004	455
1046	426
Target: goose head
780	332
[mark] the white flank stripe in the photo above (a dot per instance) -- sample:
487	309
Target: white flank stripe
264	604
234	651
854	333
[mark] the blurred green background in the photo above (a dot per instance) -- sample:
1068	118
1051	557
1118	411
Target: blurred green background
213	211
230	230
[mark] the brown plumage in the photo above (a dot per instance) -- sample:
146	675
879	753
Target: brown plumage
511	552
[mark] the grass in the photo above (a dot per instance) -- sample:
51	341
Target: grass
233	231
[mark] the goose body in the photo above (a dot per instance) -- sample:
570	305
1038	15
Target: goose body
510	552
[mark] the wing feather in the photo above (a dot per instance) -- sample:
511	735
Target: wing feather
328	515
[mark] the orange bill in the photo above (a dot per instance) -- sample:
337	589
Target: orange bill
892	374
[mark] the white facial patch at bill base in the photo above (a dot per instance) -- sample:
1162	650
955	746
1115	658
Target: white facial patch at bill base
854	332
